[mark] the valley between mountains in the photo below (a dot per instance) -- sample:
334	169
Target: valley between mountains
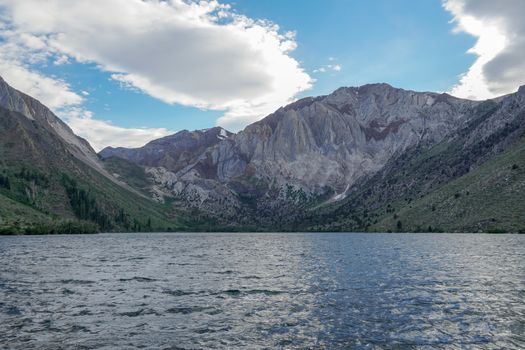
369	158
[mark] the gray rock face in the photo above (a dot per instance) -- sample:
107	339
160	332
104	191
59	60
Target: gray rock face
506	110
333	140
172	152
477	161
318	146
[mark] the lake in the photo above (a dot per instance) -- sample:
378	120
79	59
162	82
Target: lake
263	290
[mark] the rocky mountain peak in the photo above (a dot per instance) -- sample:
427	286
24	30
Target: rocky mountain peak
172	152
13	100
319	144
16	101
186	138
376	87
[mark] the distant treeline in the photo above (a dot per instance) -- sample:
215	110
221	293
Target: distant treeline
50	228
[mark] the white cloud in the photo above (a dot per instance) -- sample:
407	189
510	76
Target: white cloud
60	60
193	53
54	93
500	47
329	67
67	104
101	133
57	95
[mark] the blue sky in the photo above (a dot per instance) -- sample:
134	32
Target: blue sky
130	94
408	44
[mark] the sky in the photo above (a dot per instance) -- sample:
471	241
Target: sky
124	72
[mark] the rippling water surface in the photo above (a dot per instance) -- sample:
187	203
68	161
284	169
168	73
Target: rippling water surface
192	291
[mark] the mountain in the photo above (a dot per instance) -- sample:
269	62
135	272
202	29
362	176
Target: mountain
471	181
361	158
369	158
53	181
172	152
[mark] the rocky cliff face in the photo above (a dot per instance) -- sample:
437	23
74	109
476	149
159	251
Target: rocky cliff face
471	181
310	151
331	141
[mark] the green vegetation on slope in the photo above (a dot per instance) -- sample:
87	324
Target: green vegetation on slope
491	198
50	188
14	213
17	218
131	173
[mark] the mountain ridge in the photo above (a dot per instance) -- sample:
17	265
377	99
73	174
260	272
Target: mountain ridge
359	159
268	140
58	181
314	150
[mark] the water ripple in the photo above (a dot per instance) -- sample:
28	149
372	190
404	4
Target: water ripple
260	291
